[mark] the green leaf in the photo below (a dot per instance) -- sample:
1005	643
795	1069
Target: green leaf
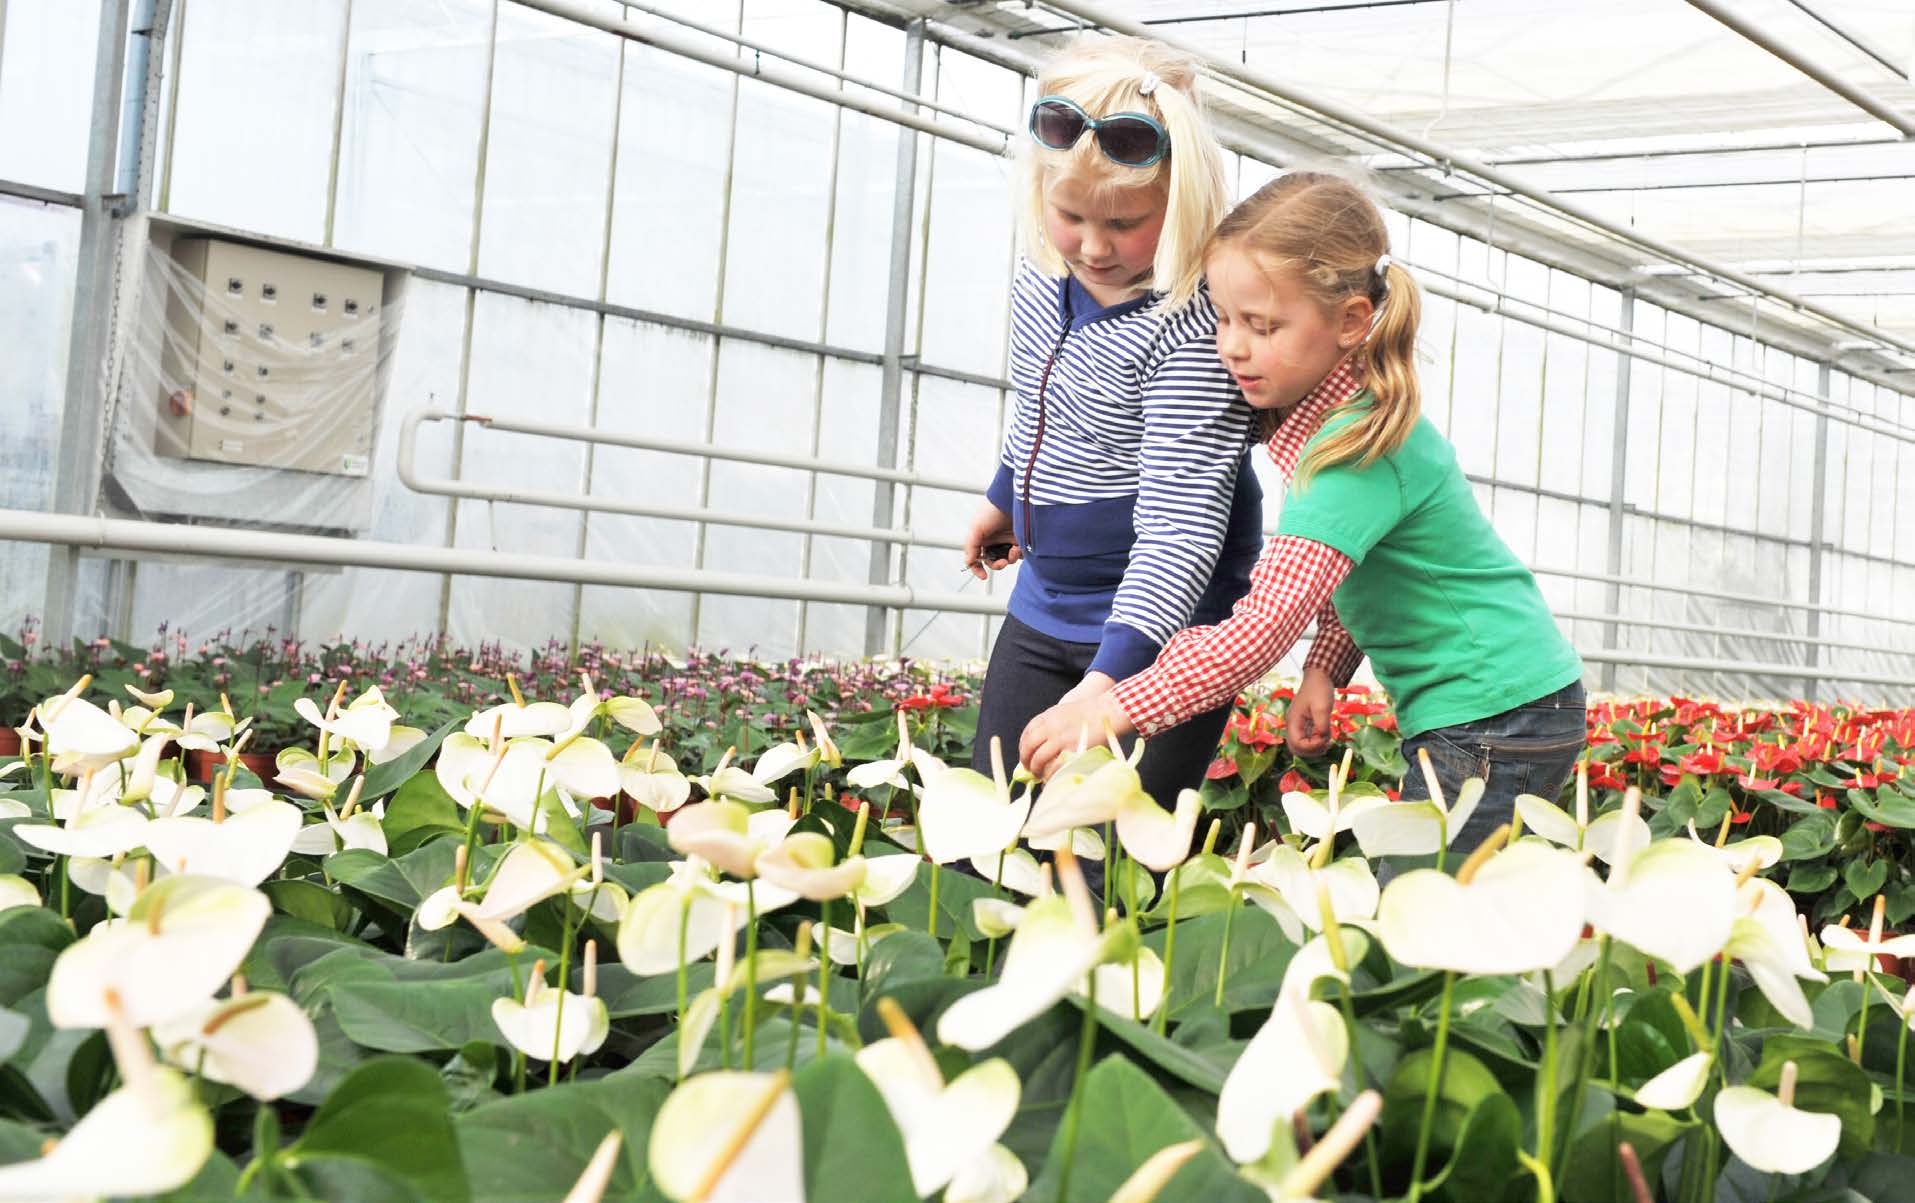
1259	954
956	891
531	1147
1593	1174
853	1151
1884	806
1178	1061
1865	879
1466	1083
1810	836
310	901
1485	1157
1824	1082
383	779
1124	1119
1811	879
419	1017
393	1113
420	811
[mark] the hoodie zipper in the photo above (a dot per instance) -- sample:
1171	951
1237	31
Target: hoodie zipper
1037	441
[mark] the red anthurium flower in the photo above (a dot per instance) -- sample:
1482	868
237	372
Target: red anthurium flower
1825	801
1293	782
1645	753
1606	776
1704	762
1740	817
1220	768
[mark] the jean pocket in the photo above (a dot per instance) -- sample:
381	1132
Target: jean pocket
1531	747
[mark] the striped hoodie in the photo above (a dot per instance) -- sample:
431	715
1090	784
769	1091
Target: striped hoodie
1125	471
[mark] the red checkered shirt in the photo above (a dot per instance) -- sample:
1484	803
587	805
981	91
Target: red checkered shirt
1202	668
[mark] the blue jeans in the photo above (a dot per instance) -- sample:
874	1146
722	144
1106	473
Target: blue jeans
1529	750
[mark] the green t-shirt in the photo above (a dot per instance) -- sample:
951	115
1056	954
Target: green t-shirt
1453	623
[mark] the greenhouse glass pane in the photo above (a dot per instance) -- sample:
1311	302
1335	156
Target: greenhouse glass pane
47	52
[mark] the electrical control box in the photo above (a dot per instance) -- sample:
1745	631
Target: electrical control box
271	359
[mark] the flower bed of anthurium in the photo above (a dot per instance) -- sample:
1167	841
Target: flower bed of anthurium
424	964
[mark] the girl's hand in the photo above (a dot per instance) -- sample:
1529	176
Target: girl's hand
1094	684
990	531
1053	736
1307	727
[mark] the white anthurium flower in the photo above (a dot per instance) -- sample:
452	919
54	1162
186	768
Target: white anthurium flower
148	1137
261	1042
874	773
181	940
138	783
400	740
1770	1133
605	901
648	935
1415	828
1085	843
16	890
1148	1180
770	826
886	877
439	909
802	862
730	1137
842	945
1052	950
583	767
1761	851
105	878
764	896
1316	961
829	753
1845	951
945	1127
1522	910
337	768
1297	1054
995	917
719	832
531	872
170	798
81	736
632	713
1154	838
964	814
1088	790
552	1024
1132	987
728	979
730	783
99	831
653	780
155	702
1608	835
795	994
246	848
1015	870
462	758
355	828
782	760
1307	816
520	779
1352	886
205	732
1774	961
1674	900
13	808
367	729
996	1177
1679	1086
513	720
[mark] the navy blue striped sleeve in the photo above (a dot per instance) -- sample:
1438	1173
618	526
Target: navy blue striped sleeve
1196	426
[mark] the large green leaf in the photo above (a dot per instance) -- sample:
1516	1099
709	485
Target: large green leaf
393	1113
1884	806
1258	955
853	1152
531	1147
1593	1174
1124	1117
1466	1083
1185	1064
419	811
1485	1155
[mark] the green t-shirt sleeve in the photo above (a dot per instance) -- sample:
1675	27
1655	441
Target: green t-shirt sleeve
1345	507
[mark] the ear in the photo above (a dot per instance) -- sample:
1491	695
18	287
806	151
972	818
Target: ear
1353	321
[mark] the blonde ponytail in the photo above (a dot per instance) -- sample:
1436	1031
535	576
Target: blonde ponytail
1388	359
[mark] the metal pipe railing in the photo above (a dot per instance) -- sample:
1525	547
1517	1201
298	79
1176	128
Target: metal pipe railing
1798	672
754	68
1701	628
1747	599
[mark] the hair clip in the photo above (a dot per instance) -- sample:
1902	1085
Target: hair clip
1382	263
1149	83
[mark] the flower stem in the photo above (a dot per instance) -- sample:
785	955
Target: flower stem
1587	1013
1223	952
684	923
1901	1064
824	966
1073	1114
1363	1072
932	923
751	970
1546	1105
1170	950
1430	1092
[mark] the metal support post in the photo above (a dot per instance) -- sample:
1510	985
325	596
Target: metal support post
76	472
1818	523
891	381
1618	480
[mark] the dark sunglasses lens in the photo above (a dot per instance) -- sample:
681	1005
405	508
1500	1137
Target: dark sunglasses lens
1057	126
1128	140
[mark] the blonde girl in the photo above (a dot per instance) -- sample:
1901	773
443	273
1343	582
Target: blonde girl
1123	489
1380	537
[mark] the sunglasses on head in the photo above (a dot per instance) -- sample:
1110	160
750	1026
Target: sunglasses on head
1130	139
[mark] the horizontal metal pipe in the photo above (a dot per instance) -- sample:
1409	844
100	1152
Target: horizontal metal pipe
1699	628
449	487
754	68
1797	672
1747	599
122	536
46	196
1861	98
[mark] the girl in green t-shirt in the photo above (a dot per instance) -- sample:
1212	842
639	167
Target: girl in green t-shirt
1380	538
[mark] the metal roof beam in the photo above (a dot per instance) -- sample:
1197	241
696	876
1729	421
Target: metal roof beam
1859	97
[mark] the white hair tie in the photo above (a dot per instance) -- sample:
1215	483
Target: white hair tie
1382	263
1149	84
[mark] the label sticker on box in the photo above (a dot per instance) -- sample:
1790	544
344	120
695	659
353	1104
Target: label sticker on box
355	465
